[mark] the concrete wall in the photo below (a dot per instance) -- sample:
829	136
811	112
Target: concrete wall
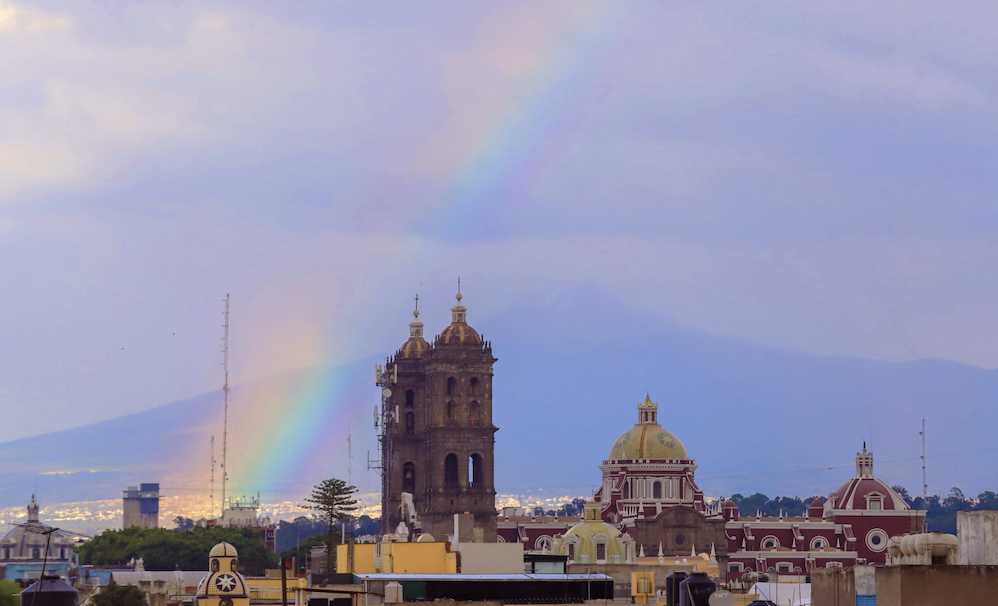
905	585
977	534
833	587
929	585
491	558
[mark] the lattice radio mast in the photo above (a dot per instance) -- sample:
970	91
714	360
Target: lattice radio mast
225	397
212	476
925	485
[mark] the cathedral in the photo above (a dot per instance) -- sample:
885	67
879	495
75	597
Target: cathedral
437	436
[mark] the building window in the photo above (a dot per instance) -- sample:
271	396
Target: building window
818	543
473	413
543	543
214	565
409	477
735	567
410	398
656	490
36	554
600	552
680	539
475	469
784	568
410	422
474	386
450	410
450	471
233	564
770	542
571	551
627	490
6	553
451	386
876	540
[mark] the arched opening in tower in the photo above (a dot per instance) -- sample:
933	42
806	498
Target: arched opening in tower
475	470
409	477
450	471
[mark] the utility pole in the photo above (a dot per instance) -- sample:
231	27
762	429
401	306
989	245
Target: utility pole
225	398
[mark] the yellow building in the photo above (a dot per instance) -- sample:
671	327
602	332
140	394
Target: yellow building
223	586
397	557
268	588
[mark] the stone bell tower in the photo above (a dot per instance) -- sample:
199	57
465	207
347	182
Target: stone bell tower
438	442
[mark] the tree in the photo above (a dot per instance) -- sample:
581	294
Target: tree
119	595
9	591
332	502
181	523
902	492
164	549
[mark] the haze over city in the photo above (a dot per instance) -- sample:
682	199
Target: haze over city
775	217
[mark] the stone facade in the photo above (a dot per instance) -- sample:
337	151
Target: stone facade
438	441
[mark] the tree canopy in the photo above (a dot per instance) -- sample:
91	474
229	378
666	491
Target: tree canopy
119	595
9	591
163	549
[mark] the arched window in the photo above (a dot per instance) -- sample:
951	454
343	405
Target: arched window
409	477
656	490
627	490
451	386
36	554
410	398
214	565
475	469
450	471
410	422
62	553
474	386
6	553
450	410
234	564
473	413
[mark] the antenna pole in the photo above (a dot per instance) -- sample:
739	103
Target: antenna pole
225	398
212	476
349	458
925	485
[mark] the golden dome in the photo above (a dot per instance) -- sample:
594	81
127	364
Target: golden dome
647	439
223	550
459	333
414	348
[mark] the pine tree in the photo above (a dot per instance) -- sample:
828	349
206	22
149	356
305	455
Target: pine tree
332	502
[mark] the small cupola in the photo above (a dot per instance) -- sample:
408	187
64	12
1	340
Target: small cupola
647	411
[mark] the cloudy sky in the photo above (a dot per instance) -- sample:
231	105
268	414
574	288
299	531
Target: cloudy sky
811	175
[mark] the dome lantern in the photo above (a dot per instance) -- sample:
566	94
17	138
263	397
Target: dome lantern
416	346
648	411
647	439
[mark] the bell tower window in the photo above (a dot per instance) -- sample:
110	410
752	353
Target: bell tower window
409	477
451	386
410	398
450	471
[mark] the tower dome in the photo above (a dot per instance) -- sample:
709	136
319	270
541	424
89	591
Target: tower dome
416	346
647	439
866	491
223	586
459	333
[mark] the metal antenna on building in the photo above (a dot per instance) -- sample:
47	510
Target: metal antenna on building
925	485
212	476
349	457
225	397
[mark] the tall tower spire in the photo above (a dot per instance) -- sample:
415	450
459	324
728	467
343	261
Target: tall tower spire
33	511
416	327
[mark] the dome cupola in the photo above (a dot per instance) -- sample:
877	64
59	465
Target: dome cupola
647	439
416	346
223	586
459	333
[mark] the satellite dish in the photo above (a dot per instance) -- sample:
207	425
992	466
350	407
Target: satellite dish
386	392
721	597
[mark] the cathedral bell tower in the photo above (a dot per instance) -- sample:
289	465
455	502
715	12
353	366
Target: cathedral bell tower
438	441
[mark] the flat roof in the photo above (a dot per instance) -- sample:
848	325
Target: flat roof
484	577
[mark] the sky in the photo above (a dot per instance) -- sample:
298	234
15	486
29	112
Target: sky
817	176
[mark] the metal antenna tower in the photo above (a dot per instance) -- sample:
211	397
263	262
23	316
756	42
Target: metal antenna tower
349	457
925	485
225	397
212	476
